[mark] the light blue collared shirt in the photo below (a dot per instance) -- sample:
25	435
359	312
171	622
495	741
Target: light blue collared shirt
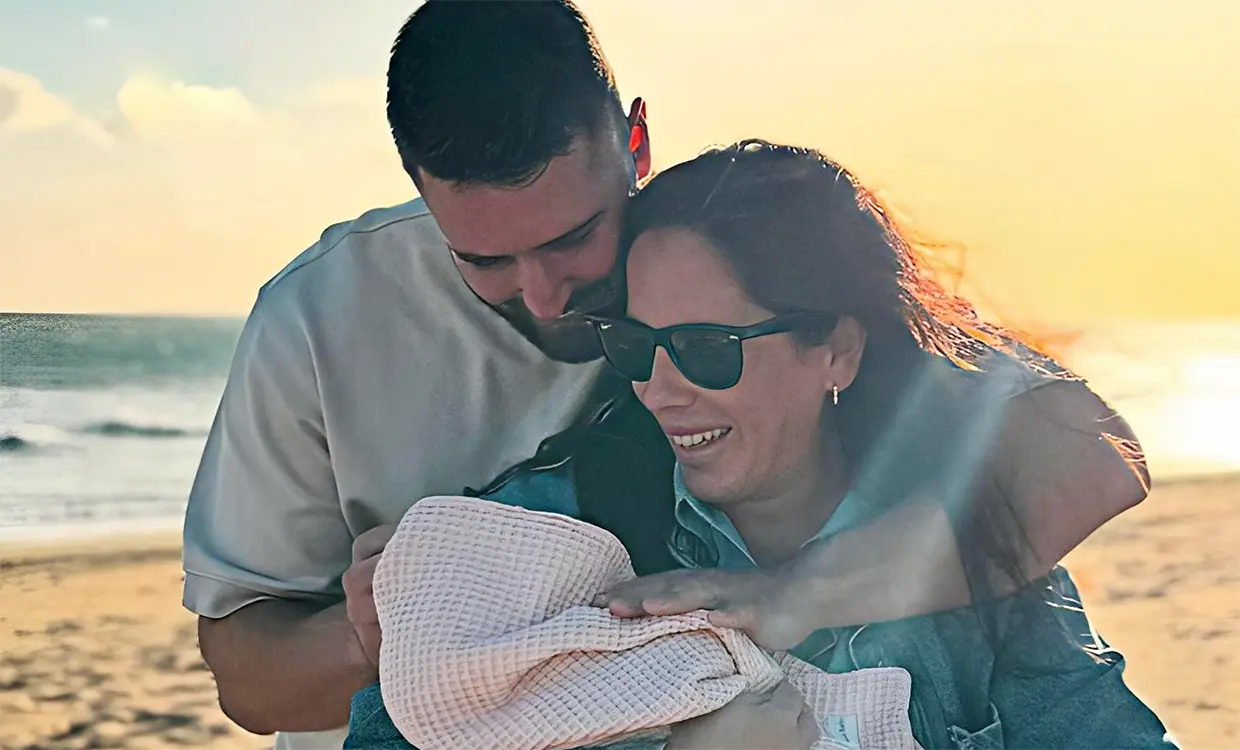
723	542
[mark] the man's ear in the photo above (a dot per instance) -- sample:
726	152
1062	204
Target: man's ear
845	346
639	138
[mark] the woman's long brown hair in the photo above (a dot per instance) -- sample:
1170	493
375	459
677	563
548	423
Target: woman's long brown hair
801	233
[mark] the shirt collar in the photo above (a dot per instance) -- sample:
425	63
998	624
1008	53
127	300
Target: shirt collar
712	527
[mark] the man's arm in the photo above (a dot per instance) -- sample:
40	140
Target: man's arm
1064	461
266	543
1070	464
285	666
1052	461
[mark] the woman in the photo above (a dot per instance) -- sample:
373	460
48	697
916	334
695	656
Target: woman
806	372
804	369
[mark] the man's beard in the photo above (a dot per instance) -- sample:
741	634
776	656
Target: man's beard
570	338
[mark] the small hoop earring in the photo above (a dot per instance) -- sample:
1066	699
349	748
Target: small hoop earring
835	395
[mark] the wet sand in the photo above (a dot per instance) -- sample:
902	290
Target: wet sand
96	652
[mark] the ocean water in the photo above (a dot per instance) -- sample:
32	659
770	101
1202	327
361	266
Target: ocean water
103	419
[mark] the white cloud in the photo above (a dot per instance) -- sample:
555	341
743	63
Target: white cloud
162	108
99	23
25	106
28	106
191	199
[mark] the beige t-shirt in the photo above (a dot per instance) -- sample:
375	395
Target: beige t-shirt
368	375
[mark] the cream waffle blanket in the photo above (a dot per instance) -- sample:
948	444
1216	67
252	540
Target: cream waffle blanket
489	641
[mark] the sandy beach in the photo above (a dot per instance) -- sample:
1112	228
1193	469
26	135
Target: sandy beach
96	652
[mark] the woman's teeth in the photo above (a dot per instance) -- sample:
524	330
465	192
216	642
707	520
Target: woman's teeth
688	441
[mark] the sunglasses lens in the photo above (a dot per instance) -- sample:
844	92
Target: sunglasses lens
628	348
711	359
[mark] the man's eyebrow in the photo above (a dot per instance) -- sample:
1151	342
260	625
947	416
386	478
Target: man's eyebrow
569	236
551	244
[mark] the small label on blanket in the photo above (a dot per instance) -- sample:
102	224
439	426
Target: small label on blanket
842	730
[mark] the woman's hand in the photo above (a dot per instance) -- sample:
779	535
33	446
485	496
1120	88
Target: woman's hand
761	603
778	720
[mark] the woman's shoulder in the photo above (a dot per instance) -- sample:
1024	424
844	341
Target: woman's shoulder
996	375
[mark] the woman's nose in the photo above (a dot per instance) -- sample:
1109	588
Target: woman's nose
666	386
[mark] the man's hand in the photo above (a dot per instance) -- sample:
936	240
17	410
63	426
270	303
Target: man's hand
779	720
359	589
762	603
289	666
903	564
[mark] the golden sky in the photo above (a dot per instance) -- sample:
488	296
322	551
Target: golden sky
1086	153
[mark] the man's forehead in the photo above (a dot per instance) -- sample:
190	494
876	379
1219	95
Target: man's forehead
488	220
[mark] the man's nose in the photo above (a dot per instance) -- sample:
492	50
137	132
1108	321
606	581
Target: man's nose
666	387
544	290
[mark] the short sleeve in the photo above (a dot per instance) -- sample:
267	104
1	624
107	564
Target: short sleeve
264	519
944	426
1015	378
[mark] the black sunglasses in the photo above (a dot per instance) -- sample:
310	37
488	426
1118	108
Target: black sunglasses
707	354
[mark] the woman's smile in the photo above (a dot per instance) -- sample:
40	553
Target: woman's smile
696	443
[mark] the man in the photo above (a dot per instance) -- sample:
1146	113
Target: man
420	349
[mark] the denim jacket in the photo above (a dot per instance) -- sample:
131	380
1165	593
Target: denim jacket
1025	671
1022	671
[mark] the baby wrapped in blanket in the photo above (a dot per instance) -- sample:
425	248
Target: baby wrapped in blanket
489	641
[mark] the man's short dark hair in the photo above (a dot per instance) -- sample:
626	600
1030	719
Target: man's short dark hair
489	91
